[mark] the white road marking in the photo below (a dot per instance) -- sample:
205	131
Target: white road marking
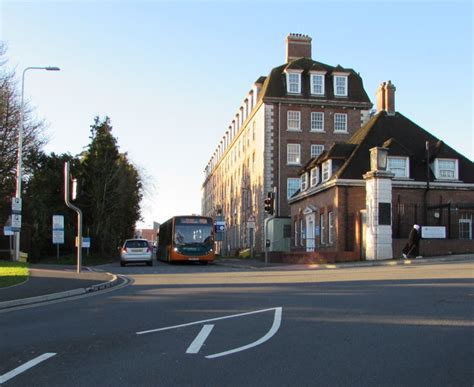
209	320
24	367
200	339
268	336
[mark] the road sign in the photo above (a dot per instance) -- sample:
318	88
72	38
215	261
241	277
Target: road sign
16	221
58	237
219	225
16	205
86	242
7	231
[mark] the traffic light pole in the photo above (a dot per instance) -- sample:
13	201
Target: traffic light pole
79	215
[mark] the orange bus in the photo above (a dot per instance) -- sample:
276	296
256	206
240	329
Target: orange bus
186	238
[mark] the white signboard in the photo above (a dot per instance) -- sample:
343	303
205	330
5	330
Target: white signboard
16	205
16	221
58	222
86	242
428	232
58	237
58	229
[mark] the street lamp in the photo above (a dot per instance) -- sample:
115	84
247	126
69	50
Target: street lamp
20	148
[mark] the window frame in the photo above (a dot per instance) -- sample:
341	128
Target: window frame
294	153
331	227
314	177
289	82
337	122
438	170
322	229
296	119
313	120
297	182
321	76
313	155
326	168
336	78
304	181
406	173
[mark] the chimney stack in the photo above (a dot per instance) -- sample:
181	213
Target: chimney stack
297	46
386	98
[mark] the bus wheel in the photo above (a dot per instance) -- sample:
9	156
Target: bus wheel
203	262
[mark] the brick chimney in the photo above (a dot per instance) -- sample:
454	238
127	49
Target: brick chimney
297	46
386	97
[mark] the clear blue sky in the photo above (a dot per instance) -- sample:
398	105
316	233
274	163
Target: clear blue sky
171	75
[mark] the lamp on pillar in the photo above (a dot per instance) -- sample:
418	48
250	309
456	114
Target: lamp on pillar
378	158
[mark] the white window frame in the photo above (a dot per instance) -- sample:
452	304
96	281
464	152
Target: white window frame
465	227
292	185
326	170
304	181
296	233
319	146
340	122
331	227
302	232
399	171
293	154
314	180
340	90
313	77
293	120
322	229
317	121
440	169
293	82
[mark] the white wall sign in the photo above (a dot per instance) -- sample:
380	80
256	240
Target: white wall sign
431	232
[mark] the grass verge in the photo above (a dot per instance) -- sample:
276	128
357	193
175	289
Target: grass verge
71	259
12	273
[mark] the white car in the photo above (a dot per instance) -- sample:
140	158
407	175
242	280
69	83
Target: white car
136	250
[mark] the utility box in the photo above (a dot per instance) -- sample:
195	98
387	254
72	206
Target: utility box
279	234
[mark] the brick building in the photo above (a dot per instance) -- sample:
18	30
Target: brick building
347	209
288	117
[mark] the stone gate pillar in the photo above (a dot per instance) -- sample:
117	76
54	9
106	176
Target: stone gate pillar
378	198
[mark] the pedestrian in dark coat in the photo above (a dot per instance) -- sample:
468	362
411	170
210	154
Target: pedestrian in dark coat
412	248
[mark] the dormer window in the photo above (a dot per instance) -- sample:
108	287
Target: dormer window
340	85
304	182
399	166
293	81
446	169
326	170
314	176
317	83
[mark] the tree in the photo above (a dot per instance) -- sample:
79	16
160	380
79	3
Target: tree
44	197
112	190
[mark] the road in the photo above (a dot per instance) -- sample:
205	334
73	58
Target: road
213	326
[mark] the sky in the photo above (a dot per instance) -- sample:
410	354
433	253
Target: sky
171	75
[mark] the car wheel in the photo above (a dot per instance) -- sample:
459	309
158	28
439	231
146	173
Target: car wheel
150	263
122	263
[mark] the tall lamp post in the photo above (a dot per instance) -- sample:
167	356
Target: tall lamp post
20	150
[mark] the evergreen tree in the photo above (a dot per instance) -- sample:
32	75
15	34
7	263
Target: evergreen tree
111	189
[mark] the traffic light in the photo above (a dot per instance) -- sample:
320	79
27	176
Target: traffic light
269	203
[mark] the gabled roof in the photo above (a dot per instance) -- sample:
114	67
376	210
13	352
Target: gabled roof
403	138
275	84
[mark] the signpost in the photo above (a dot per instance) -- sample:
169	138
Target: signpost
58	232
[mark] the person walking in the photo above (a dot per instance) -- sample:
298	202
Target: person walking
412	248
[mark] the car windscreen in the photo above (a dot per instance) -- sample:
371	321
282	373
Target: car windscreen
136	244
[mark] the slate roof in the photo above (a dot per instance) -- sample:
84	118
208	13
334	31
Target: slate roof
275	84
402	137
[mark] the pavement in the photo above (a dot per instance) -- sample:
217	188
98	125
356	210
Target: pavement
53	282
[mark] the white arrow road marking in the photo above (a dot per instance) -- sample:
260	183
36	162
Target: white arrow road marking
24	367
268	336
202	336
200	339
